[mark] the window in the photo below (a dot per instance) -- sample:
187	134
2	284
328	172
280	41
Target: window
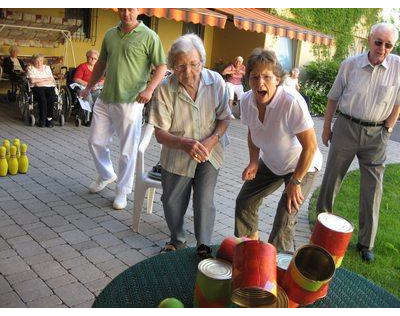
197	29
80	14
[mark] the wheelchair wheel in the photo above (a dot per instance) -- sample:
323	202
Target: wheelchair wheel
61	120
78	122
31	120
66	101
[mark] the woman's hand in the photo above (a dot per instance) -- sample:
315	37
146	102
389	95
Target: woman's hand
294	197
250	172
195	149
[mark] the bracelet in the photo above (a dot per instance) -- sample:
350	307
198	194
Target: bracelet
294	181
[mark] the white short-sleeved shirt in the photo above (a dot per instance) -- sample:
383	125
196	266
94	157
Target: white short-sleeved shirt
291	83
286	116
35	73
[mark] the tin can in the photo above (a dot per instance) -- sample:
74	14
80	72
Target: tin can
254	274
213	284
309	274
225	251
282	263
333	233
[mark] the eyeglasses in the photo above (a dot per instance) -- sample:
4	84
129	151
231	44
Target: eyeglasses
264	78
185	66
379	43
94	58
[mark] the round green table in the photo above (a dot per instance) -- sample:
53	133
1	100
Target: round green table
173	274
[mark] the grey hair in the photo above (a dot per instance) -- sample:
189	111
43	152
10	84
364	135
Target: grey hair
36	56
239	58
13	48
185	44
295	70
267	58
92	51
388	26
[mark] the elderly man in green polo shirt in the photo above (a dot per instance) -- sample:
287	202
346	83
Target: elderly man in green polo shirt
128	51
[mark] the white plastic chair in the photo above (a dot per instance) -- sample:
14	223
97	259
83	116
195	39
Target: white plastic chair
143	183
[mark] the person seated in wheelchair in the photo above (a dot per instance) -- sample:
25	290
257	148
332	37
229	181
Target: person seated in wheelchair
84	72
81	77
234	73
14	68
43	85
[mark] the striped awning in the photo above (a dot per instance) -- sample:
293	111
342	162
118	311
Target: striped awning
257	20
194	15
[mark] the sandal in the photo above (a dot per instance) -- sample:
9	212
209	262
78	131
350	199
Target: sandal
168	248
204	252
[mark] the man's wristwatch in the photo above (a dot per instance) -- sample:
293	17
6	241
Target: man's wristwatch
389	129
294	181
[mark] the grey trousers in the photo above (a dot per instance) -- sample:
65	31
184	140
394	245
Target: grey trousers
175	198
249	201
350	139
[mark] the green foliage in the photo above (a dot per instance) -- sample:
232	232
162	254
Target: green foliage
320	78
385	270
338	22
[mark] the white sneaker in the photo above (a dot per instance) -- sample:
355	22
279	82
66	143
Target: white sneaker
100	184
120	201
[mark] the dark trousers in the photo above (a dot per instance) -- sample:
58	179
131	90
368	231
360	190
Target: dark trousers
45	97
249	201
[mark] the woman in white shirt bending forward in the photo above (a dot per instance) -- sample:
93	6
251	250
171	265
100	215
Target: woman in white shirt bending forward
282	148
42	82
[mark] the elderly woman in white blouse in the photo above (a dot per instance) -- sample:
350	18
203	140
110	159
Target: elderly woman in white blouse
42	82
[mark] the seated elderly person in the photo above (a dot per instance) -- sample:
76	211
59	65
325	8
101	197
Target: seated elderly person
14	66
42	82
84	72
190	113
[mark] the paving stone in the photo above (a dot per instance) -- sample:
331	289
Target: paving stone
87	304
61	281
106	240
95	231
49	270
116	271
32	226
63	252
86	273
44	257
65	228
93	212
110	264
46	302
11	231
97	255
73	294
11	299
114	226
84	223
54	221
52	242
85	245
21	277
150	251
19	239
130	257
122	247
32	290
42	234
4	286
12	265
138	242
3	245
74	236
6	222
74	262
99	284
65	210
28	249
125	233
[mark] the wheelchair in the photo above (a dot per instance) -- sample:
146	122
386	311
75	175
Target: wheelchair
74	109
29	108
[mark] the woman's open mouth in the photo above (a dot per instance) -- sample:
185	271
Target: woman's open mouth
261	93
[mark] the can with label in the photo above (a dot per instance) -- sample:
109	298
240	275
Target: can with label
225	251
282	264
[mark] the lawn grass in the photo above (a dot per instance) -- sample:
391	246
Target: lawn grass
385	270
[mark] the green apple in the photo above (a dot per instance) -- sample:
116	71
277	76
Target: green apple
171	302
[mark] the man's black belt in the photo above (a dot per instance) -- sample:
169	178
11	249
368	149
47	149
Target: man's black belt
363	123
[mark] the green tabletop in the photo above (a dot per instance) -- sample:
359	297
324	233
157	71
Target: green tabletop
173	274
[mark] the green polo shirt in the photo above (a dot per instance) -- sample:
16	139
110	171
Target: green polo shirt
128	57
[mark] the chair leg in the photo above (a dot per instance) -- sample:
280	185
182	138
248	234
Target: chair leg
150	199
138	199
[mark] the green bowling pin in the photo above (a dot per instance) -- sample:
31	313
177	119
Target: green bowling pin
13	162
23	161
6	144
3	162
17	144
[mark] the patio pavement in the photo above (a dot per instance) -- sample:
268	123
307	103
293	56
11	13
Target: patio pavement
60	245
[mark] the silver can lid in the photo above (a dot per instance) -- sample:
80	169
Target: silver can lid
216	269
335	223
283	260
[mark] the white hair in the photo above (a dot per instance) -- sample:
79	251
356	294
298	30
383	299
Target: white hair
13	48
185	44
387	26
92	51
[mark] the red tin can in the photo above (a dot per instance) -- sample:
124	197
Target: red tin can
282	264
333	233
225	251
254	274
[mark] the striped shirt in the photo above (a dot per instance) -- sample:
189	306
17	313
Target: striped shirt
174	111
367	92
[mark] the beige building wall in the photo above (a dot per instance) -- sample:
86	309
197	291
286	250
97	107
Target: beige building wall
231	42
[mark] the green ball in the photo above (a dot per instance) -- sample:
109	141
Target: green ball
171	302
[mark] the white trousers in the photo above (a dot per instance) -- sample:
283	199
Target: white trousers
126	120
234	88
